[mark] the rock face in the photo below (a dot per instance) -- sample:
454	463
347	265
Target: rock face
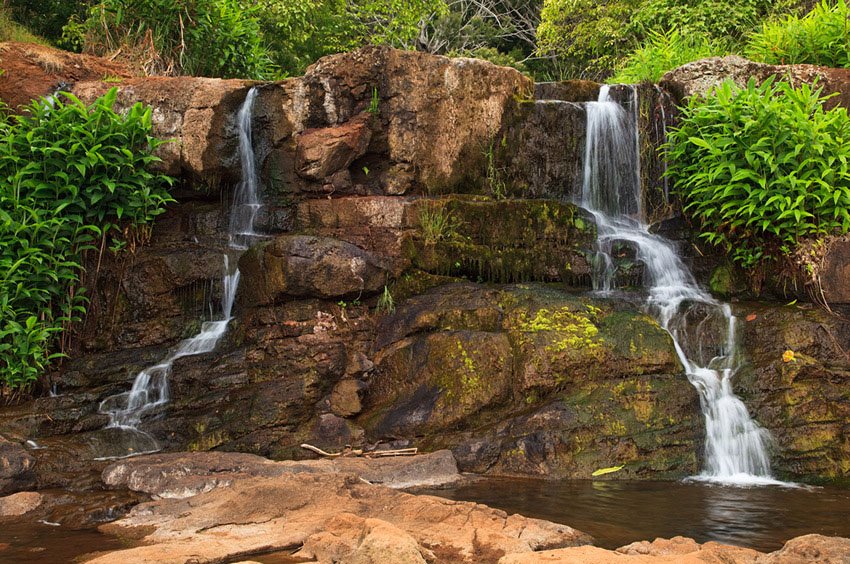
804	402
378	308
374	121
303	266
331	518
196	115
525	381
835	270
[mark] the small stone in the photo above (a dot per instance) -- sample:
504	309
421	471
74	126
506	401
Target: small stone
19	503
345	398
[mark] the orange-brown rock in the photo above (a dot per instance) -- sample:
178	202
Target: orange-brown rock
808	549
196	116
31	71
179	475
332	516
811	549
324	151
19	503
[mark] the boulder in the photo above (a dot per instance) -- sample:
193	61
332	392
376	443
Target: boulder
306	266
328	515
698	77
31	71
324	151
196	115
20	503
17	470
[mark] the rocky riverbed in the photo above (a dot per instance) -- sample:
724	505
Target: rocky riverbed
218	507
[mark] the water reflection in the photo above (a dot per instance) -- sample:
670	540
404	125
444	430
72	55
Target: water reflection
617	513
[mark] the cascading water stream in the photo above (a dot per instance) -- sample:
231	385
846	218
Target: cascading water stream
703	329
150	388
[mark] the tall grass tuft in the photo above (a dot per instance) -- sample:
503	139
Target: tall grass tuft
821	37
662	52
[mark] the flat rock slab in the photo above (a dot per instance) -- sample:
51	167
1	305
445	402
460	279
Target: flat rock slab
331	518
681	550
181	475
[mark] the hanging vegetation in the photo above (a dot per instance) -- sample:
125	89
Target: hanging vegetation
73	178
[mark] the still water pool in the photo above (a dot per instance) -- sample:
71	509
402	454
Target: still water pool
617	513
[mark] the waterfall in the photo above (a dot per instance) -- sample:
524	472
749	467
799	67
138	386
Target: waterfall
150	387
703	329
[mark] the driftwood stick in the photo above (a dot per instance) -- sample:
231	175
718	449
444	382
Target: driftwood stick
319	451
399	452
374	454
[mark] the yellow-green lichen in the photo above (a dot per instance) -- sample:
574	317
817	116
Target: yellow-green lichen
572	330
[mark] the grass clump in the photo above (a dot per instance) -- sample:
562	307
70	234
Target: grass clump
13	31
214	38
821	37
73	178
664	51
761	167
386	302
437	223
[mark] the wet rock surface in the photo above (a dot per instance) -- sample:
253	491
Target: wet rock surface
533	381
801	397
17	470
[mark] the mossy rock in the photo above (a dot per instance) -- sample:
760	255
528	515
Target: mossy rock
501	241
544	381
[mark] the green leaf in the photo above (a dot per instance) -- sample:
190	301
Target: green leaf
611	470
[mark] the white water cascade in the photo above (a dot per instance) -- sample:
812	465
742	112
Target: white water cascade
150	388
702	328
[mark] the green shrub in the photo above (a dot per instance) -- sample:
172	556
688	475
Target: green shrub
587	37
663	52
822	37
762	166
717	19
72	178
215	38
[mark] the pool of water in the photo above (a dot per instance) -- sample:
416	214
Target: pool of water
617	513
39	543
